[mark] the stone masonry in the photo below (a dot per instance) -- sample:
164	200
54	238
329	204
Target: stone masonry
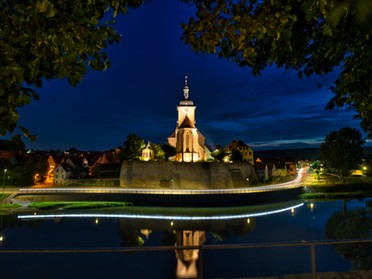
178	175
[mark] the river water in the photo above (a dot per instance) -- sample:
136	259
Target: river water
86	244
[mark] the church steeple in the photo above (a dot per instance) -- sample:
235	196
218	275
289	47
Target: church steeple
187	140
186	89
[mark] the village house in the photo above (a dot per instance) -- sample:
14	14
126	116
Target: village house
62	172
53	161
268	168
244	149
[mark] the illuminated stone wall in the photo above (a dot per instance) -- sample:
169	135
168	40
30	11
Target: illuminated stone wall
108	182
176	175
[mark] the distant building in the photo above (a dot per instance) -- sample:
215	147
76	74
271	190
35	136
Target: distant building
53	161
147	153
62	172
244	149
188	141
267	168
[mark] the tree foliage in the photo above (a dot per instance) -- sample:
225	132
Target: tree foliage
352	225
23	173
43	40
236	156
219	155
342	150
311	37
132	147
169	151
158	151
14	144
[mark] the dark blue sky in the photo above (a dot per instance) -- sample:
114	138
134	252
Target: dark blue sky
141	90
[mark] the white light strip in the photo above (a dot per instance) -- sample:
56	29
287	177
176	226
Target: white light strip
296	183
159	217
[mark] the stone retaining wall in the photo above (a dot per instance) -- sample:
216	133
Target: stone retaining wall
175	175
93	182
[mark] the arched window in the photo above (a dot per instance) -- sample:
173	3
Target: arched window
187	139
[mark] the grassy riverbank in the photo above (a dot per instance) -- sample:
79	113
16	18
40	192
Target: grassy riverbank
330	187
58	204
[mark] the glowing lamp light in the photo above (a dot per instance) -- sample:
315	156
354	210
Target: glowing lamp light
311	206
292	211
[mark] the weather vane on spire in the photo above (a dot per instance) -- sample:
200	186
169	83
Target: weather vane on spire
186	89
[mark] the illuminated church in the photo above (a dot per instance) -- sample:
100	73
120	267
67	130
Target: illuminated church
188	141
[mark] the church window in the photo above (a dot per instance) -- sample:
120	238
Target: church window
187	140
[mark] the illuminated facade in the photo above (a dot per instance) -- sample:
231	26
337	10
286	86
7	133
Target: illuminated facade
245	150
147	153
188	141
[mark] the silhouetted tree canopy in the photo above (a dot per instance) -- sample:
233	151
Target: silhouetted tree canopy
352	225
43	40
158	151
311	37
236	156
342	150
169	151
132	147
62	39
219	155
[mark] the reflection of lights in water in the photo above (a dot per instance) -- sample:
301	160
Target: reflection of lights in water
160	217
146	233
97	221
1	240
248	221
172	223
292	211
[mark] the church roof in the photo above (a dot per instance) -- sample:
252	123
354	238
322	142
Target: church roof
187	123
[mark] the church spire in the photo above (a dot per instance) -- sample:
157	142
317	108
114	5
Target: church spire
186	89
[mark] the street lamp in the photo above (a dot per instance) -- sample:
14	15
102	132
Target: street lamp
5	170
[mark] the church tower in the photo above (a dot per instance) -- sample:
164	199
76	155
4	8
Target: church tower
187	140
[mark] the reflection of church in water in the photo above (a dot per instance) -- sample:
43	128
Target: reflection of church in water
187	258
188	141
182	235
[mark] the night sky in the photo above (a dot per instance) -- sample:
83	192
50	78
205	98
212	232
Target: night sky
141	90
